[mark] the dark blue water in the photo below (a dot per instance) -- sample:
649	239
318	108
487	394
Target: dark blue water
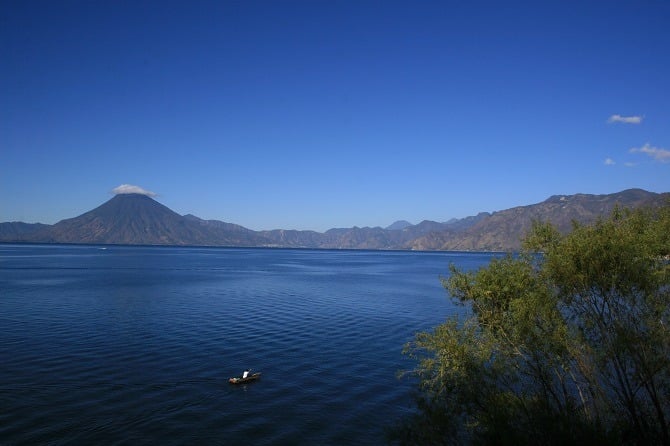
134	345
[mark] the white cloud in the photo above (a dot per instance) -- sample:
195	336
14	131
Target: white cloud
609	162
130	189
625	119
661	155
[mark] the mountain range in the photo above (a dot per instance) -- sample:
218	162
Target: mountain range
135	219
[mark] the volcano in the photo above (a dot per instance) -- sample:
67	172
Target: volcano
136	219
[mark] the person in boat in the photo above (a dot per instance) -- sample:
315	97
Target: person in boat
246	373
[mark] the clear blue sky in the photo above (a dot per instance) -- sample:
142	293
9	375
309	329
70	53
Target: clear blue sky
320	114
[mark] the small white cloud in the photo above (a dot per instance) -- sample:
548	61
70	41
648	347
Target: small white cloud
625	119
130	189
629	164
609	162
658	154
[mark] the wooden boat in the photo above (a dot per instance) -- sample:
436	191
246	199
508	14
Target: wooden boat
240	380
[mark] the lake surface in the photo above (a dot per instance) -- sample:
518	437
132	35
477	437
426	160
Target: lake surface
134	345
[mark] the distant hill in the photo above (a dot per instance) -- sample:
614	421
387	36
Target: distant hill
399	225
137	219
467	222
504	230
15	230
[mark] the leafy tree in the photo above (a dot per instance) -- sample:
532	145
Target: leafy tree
570	346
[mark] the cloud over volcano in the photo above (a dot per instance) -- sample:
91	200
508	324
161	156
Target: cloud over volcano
131	189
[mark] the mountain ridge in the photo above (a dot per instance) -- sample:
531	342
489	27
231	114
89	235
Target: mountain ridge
136	219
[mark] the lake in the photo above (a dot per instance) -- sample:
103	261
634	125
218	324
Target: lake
135	345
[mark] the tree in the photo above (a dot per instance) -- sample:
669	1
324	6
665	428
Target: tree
568	342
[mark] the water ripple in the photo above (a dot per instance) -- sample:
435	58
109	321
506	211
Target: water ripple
135	345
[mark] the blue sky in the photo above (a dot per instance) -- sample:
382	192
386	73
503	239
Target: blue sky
320	114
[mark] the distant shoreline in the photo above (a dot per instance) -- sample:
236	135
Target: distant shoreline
289	248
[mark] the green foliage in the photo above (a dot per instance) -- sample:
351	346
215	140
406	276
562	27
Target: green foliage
565	347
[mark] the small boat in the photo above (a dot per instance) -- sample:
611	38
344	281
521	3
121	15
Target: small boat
240	380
